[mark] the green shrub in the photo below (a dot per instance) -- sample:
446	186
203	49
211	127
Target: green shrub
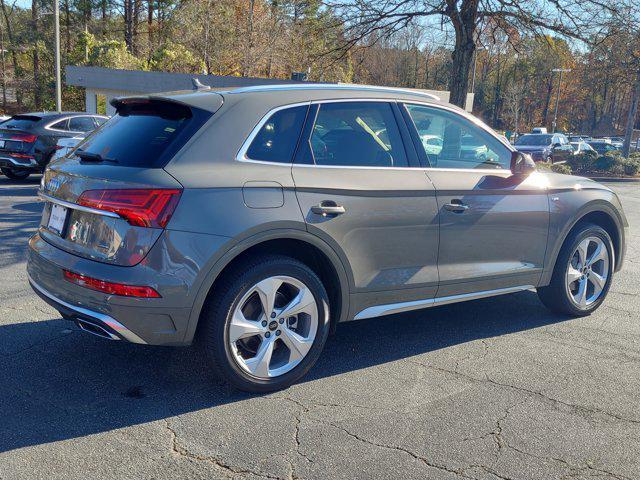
632	166
606	162
554	167
583	162
561	168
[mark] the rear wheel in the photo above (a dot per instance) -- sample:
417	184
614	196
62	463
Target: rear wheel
582	274
267	325
14	174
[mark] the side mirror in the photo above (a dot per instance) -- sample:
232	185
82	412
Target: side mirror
522	164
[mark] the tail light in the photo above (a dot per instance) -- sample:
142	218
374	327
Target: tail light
110	287
23	138
140	207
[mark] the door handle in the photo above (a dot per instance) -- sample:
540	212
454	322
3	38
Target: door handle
456	206
328	208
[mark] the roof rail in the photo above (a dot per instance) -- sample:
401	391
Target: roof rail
331	86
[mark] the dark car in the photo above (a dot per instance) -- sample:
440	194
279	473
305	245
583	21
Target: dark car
603	147
28	141
545	147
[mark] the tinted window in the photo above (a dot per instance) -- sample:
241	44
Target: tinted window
99	120
145	134
21	122
535	139
81	124
61	125
451	141
277	139
363	134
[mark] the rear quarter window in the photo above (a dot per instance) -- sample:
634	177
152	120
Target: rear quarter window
145	134
277	139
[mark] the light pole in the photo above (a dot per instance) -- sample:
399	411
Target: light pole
56	15
555	113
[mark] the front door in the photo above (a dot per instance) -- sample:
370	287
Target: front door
364	193
493	225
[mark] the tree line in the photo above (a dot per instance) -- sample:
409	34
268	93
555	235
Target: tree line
503	50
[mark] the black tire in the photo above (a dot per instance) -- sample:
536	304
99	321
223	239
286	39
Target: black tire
556	296
15	174
220	308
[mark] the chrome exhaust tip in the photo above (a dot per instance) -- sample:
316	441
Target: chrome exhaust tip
96	330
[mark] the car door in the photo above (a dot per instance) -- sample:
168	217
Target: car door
361	189
493	225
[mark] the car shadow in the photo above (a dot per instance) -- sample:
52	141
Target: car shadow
59	383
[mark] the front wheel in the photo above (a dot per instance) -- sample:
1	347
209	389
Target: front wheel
582	274
15	174
267	325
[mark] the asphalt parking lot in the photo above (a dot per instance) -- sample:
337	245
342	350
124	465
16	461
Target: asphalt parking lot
496	388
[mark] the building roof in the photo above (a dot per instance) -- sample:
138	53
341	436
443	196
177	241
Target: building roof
139	81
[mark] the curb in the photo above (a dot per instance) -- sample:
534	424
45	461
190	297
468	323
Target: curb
615	179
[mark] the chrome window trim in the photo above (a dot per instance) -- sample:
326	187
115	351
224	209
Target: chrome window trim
106	319
48	125
241	156
75	206
391	308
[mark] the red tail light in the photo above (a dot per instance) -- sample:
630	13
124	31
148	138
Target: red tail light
141	207
109	287
23	138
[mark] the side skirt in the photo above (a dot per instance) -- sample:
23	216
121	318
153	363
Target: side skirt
391	308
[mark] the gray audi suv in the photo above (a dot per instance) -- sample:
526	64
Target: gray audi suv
254	220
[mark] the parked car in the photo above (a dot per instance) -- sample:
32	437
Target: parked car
582	147
539	130
256	219
603	147
28	141
65	145
545	147
579	138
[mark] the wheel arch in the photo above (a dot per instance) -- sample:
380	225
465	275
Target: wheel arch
298	244
600	213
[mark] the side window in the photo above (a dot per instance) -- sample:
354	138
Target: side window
81	124
277	139
360	134
99	120
452	141
61	125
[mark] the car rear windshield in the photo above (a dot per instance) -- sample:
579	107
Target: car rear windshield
534	140
145	133
21	122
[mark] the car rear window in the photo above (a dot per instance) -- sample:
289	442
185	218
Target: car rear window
21	122
146	133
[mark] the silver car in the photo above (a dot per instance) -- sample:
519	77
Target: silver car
254	220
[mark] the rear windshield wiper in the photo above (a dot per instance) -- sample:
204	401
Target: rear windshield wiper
93	157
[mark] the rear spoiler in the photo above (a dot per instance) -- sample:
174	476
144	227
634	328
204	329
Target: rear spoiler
202	99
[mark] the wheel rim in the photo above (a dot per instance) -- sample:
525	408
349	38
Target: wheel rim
588	272
273	327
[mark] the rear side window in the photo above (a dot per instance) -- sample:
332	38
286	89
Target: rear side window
145	134
81	124
62	125
360	134
21	122
277	139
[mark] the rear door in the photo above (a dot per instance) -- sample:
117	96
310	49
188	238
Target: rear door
493	225
365	194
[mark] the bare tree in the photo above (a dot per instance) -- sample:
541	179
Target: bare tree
573	18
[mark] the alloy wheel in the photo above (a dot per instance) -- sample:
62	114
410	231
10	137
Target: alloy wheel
588	272
273	327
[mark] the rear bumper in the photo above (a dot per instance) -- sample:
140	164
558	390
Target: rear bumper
7	161
103	325
173	268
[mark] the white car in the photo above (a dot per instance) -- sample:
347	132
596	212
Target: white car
581	147
65	145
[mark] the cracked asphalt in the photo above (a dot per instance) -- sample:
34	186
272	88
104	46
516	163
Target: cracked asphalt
495	388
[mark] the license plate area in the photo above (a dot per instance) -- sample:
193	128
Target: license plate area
57	218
